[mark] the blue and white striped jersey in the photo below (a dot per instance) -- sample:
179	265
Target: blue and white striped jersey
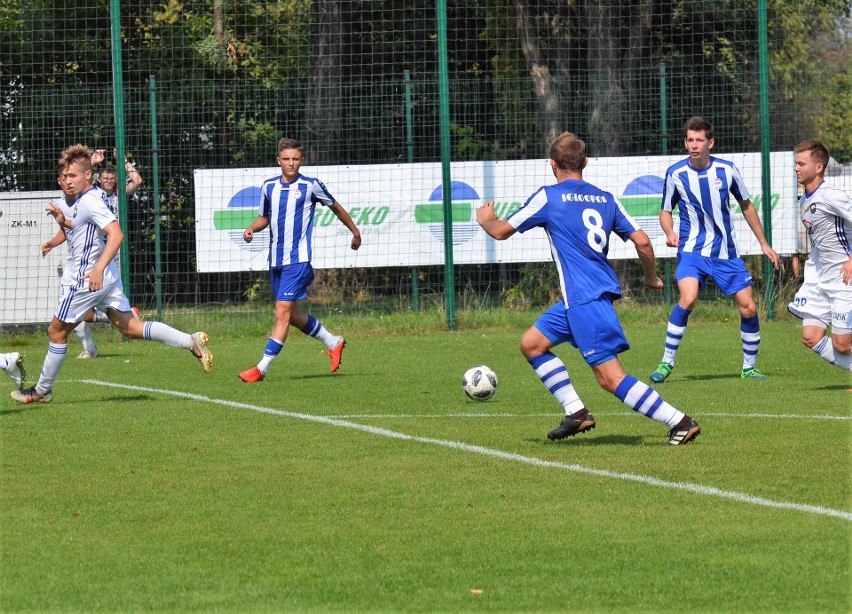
290	210
578	219
703	201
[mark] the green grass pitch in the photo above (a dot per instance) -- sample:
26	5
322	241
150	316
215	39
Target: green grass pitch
147	485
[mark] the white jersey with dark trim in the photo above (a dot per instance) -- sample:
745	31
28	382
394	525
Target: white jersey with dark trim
86	238
826	214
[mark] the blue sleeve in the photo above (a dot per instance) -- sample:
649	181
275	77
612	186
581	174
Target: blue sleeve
321	194
623	224
738	186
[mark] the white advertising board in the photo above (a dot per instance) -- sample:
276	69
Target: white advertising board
30	282
398	208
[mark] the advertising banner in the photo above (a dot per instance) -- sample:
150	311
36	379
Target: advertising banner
399	210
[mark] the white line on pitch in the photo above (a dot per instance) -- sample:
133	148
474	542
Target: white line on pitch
529	460
556	414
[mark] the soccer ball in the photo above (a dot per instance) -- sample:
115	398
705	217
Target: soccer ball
479	383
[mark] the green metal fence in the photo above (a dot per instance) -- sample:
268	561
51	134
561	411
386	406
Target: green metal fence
180	87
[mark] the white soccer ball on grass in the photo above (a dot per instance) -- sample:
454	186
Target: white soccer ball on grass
479	383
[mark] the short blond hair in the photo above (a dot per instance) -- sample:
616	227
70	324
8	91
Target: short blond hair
76	154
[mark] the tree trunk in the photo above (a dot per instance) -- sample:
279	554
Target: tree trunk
614	70
613	74
325	86
547	88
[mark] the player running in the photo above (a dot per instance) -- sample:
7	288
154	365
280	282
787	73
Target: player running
287	207
825	298
578	219
91	279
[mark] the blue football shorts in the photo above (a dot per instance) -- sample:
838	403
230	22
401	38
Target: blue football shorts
593	328
290	283
730	275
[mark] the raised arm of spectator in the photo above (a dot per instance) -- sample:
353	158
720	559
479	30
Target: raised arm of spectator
134	179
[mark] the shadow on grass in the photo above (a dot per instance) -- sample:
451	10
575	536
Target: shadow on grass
836	387
309	376
602	440
135	397
708	377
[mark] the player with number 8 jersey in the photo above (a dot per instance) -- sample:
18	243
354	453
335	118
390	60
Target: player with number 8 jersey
578	219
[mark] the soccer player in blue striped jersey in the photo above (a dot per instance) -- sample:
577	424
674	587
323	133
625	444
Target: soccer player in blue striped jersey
701	187
92	280
287	205
578	219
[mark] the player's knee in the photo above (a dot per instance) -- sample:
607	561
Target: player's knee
534	344
842	344
529	350
810	341
687	302
748	310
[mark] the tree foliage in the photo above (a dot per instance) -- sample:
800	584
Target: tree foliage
229	78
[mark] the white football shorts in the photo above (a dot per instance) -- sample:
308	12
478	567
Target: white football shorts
76	301
831	308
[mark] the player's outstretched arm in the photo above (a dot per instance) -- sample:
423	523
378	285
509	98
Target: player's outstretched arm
645	251
259	223
753	221
346	219
495	228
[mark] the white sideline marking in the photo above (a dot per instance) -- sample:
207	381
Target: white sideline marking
556	414
529	460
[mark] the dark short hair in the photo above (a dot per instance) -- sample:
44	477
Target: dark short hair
699	124
109	168
286	143
819	152
569	152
